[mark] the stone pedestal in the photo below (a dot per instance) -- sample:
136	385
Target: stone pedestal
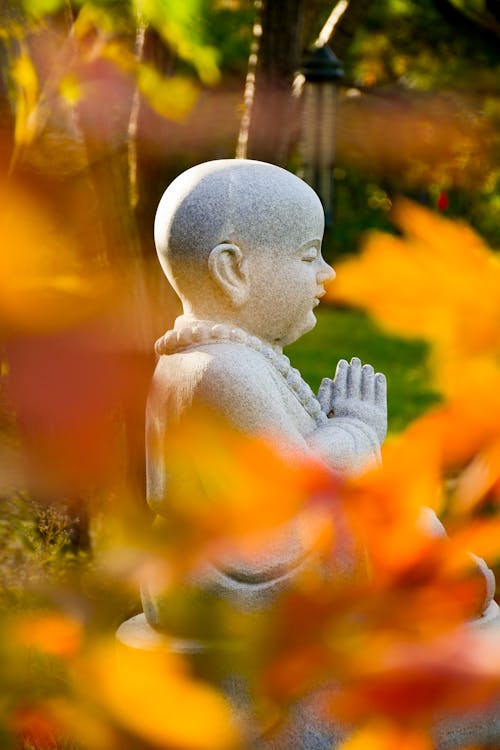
137	633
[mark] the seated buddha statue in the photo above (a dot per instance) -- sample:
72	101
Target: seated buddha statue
240	243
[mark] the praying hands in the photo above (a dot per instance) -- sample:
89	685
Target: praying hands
357	392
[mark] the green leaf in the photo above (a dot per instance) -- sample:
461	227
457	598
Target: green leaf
39	8
180	23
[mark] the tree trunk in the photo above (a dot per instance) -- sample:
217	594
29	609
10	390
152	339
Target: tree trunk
275	114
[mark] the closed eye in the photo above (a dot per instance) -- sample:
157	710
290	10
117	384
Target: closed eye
310	255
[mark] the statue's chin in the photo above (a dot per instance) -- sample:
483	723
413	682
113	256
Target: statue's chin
306	325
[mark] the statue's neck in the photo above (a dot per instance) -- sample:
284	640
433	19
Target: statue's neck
189	320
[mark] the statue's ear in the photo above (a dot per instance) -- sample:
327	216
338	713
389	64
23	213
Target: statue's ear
227	266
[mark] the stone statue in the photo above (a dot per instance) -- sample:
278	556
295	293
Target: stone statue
240	243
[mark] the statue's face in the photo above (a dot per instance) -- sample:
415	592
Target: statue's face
287	284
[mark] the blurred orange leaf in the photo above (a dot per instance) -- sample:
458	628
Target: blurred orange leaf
386	502
385	736
439	282
414	683
480	536
52	633
477	480
459	428
35	727
230	488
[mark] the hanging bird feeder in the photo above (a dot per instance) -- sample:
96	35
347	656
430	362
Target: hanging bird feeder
322	71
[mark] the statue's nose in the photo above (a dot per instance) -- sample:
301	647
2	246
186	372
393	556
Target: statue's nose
326	273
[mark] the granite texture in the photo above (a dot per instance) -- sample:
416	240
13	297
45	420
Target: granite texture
240	242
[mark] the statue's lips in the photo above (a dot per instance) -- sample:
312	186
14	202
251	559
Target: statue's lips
318	297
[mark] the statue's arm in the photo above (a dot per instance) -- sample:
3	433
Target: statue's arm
247	395
244	392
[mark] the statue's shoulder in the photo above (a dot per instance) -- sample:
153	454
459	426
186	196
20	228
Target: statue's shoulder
225	364
229	377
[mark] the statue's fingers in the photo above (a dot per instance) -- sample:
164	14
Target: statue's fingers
340	380
325	394
367	383
354	378
380	388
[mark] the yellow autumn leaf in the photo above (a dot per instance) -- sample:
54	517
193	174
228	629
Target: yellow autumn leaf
120	55
38	8
152	694
79	723
171	97
70	89
45	285
26	80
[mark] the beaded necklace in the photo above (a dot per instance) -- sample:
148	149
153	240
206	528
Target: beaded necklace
207	333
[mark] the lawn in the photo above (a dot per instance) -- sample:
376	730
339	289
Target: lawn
342	333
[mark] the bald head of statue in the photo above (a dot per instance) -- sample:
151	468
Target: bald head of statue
237	239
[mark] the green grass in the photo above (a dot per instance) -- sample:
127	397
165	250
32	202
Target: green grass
342	333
